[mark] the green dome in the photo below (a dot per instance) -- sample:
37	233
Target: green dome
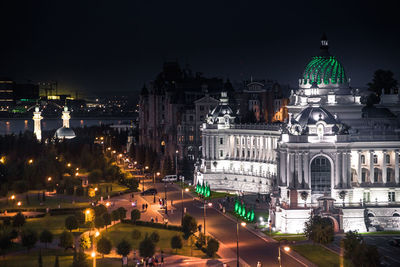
324	70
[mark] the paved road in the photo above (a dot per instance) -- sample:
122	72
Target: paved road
252	247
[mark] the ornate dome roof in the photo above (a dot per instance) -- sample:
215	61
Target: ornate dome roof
324	69
64	133
311	115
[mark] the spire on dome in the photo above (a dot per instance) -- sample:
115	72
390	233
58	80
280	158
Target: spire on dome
324	46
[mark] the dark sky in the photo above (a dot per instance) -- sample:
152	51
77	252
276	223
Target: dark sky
100	46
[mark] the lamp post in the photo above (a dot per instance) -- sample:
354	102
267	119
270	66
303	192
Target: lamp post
165	197
285	248
145	168
176	163
186	189
154	177
93	246
237	240
204	217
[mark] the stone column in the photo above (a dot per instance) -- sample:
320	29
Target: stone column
288	169
299	169
396	166
204	145
291	173
384	178
306	169
359	170
349	169
371	166
344	169
207	146
282	159
337	169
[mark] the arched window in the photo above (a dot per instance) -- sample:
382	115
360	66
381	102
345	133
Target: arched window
362	159
396	215
320	175
387	159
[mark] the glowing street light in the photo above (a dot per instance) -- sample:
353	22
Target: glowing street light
77	169
243	224
69	165
19	203
49	179
108	204
237	240
97	234
77	173
12	197
30	161
95	189
286	248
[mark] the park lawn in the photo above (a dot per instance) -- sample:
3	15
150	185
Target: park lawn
115	188
214	194
123	231
382	233
55	224
321	256
51	202
290	237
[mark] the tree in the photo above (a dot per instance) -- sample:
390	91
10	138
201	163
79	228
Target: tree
71	223
18	220
189	226
66	240
350	243
154	237
122	213
319	230
135	215
56	263
95	176
104	246
46	237
99	210
107	219
5	242
212	247
146	248
40	260
115	215
124	248
99	222
382	80
136	234
84	242
28	238
79	259
358	252
176	242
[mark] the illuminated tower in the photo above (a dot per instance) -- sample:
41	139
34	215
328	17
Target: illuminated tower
37	118
65	117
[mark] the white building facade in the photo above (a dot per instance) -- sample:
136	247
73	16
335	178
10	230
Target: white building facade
334	157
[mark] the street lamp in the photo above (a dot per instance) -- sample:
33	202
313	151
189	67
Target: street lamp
30	161
186	190
49	179
204	217
176	163
94	257
154	177
237	240
285	248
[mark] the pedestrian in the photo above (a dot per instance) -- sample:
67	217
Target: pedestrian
172	203
146	206
152	220
156	219
143	206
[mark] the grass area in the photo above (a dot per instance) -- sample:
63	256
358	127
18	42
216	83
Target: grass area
55	224
51	202
290	238
49	255
321	256
123	231
382	233
214	194
115	188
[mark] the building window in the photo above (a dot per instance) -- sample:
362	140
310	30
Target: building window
201	108
387	159
221	153
242	141
375	159
366	197
362	159
391	196
221	141
363	176
248	153
254	153
242	153
237	152
237	141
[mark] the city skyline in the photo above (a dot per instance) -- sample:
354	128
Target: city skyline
102	47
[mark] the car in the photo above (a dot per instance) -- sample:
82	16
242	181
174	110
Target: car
151	191
170	178
395	242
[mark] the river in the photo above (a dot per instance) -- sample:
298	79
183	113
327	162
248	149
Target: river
15	126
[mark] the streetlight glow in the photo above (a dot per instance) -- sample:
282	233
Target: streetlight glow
97	234
49	179
30	161
88	212
13	197
69	165
108	204
286	248
243	224
19	203
95	189
209	204
186	189
93	254
158	173
147	167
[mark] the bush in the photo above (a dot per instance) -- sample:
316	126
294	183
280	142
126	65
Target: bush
84	242
154	237
319	230
18	220
66	240
104	246
154	225
358	252
176	242
115	215
136	234
46	237
135	215
189	226
79	259
212	247
200	241
124	248
122	213
28	238
71	223
146	248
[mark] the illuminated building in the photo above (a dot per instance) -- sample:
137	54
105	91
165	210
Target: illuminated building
333	157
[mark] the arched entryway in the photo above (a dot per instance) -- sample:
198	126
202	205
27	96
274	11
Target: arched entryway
335	224
321	175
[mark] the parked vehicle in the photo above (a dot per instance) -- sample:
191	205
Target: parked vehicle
150	191
170	178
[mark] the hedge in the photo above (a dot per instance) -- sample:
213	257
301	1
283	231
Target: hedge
154	225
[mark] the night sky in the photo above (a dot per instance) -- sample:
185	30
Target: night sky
103	46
